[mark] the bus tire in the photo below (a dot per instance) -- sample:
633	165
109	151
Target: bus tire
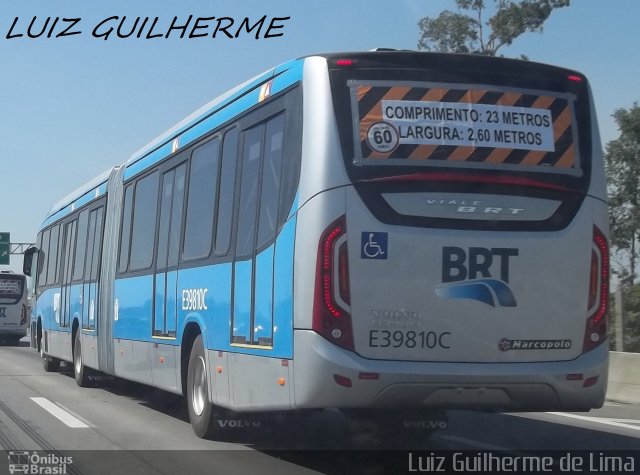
200	409
80	371
49	363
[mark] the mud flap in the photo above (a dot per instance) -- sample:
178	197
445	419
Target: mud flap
399	429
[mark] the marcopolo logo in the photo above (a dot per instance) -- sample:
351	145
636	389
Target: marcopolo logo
504	344
471	275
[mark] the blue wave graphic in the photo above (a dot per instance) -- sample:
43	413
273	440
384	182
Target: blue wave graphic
483	290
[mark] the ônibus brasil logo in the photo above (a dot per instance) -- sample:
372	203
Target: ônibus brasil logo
23	461
468	275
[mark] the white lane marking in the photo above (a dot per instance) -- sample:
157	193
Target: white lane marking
59	413
597	420
76	415
626	421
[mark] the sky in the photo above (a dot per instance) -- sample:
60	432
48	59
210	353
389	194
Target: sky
74	106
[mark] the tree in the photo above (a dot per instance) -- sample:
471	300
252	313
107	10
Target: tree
622	159
467	32
631	308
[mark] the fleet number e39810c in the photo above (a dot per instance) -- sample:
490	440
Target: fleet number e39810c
194	299
408	339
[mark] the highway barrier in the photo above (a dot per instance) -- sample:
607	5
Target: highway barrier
624	377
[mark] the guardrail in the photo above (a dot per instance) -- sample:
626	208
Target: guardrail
624	377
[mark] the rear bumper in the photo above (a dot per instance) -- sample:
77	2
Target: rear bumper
14	330
489	386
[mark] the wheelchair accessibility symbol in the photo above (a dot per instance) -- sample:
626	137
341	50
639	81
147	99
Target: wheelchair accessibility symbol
374	245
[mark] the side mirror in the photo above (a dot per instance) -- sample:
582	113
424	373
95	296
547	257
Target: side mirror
28	260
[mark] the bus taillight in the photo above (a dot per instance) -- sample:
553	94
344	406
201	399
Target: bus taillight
596	330
344	62
23	316
343	273
331	317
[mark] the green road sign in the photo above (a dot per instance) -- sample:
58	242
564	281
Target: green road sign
5	248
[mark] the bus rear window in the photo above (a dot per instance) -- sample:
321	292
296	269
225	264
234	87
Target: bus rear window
407	113
10	287
471	126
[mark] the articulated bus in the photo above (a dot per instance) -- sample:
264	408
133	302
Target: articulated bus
384	233
13	307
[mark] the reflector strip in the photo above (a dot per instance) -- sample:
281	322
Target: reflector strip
445	124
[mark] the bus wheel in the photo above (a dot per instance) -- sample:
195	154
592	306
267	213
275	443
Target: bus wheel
80	371
200	409
49	363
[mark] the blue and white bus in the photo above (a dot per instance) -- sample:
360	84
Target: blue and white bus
376	232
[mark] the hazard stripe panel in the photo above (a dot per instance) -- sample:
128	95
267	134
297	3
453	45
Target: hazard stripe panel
436	123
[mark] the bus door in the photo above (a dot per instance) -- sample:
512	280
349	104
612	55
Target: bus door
262	157
77	302
165	312
90	286
69	257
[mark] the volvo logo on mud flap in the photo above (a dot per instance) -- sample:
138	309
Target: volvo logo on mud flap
470	275
238	423
424	424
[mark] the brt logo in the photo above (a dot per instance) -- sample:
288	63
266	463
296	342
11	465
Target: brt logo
471	275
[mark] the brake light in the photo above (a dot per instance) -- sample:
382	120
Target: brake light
331	317
343	273
574	78
596	329
593	280
23	315
344	62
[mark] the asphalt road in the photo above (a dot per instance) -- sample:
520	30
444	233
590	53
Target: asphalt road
122	427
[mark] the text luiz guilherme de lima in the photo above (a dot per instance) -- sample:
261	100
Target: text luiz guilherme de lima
149	28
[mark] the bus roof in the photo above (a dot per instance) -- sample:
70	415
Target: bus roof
232	103
157	148
92	185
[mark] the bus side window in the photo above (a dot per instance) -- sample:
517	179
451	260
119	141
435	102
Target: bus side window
171	217
145	210
90	246
292	155
43	255
249	184
176	216
227	190
203	188
271	178
69	251
57	279
52	265
81	246
95	258
125	236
